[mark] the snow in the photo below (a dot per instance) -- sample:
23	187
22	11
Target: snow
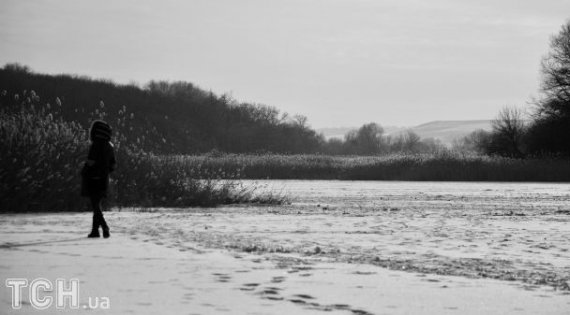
377	248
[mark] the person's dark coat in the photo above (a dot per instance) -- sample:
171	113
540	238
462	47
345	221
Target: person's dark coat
100	162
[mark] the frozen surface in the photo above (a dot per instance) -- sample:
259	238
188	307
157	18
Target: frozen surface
341	247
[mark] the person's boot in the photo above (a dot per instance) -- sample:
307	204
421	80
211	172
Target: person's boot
104	226
94	233
94	227
106	233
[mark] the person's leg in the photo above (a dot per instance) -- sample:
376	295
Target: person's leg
103	223
96	206
98	217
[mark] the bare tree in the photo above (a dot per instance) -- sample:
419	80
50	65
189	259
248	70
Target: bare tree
556	76
475	142
300	120
368	139
411	142
407	142
550	131
508	132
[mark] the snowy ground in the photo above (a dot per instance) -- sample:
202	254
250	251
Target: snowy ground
341	247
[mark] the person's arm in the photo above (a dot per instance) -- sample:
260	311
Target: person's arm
91	156
112	160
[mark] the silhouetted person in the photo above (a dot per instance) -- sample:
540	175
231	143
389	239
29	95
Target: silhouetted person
95	174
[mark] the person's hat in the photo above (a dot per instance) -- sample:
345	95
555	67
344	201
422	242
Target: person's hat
100	130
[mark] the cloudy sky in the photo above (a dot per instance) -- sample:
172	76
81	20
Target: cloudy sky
339	62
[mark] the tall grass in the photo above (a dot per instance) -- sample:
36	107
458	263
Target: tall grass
443	166
41	156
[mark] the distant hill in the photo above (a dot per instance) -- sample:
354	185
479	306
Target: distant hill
448	130
339	132
444	130
333	132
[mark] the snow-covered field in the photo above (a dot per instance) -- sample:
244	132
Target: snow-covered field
342	247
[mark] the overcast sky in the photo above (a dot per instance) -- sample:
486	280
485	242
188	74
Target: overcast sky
339	62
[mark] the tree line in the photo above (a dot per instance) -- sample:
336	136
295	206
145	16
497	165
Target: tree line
167	117
370	139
